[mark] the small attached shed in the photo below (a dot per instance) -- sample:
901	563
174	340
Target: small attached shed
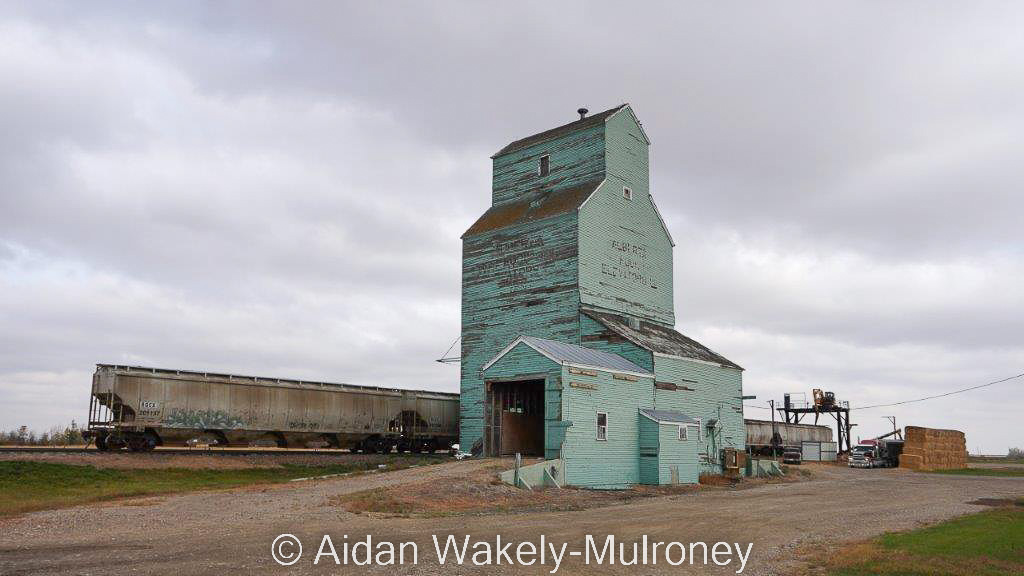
669	443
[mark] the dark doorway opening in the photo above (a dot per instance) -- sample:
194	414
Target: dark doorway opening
516	418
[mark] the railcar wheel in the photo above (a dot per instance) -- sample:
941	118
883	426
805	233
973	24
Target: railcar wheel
101	443
383	446
137	443
149	442
431	446
116	442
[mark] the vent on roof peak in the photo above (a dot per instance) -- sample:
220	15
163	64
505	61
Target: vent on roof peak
582	112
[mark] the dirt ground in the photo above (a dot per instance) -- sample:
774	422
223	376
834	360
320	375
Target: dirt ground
232	531
481	492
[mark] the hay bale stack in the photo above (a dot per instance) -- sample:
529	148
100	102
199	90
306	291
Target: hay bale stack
933	449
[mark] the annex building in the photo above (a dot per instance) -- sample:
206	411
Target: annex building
569	349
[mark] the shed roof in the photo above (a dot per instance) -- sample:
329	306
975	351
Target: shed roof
667	416
560	131
660	339
573	355
533	207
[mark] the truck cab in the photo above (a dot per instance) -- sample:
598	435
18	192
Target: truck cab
864	456
878	453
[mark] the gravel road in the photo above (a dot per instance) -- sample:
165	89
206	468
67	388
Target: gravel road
231	531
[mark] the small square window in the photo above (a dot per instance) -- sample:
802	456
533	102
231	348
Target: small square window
544	166
627	193
682	432
602	426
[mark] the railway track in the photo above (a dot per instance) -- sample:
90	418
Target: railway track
198	451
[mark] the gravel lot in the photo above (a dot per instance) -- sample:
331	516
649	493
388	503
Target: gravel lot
231	531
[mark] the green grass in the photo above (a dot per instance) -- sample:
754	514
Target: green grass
1019	472
27	486
990	543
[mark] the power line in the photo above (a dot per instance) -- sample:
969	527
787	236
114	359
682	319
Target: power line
1021	375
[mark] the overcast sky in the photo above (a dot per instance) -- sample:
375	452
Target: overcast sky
279	188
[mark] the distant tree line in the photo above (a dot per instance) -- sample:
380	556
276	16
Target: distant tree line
69	435
1015	453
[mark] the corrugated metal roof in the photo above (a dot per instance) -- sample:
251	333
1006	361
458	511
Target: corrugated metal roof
659	338
533	207
562	130
574	355
667	416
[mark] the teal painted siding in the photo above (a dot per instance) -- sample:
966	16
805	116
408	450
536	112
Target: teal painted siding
523	277
625	253
715	394
649	443
522	363
575	158
525	363
515	282
594	335
677	459
626	152
611	463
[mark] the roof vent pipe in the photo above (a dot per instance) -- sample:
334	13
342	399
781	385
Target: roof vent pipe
583	113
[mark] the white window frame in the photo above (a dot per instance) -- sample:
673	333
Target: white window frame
540	165
700	432
627	192
599	427
684	434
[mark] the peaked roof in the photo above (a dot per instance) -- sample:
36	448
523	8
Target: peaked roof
533	207
560	131
660	339
667	416
573	355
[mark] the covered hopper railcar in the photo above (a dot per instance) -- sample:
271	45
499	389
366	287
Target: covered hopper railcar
763	435
140	408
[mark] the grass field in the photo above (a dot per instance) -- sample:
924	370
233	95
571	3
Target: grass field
26	486
990	543
981	472
995	459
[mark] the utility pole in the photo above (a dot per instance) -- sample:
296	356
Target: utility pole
775	432
892	419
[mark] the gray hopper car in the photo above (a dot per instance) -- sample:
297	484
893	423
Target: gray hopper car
759	435
140	408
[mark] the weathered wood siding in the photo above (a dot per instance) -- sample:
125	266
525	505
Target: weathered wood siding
611	463
523	279
625	254
595	335
714	393
515	281
575	158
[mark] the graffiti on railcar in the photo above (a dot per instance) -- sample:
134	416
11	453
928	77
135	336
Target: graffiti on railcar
218	419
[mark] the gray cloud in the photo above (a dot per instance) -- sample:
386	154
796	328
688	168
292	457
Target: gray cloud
254	188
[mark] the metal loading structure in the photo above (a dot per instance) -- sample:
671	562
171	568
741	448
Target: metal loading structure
824	403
